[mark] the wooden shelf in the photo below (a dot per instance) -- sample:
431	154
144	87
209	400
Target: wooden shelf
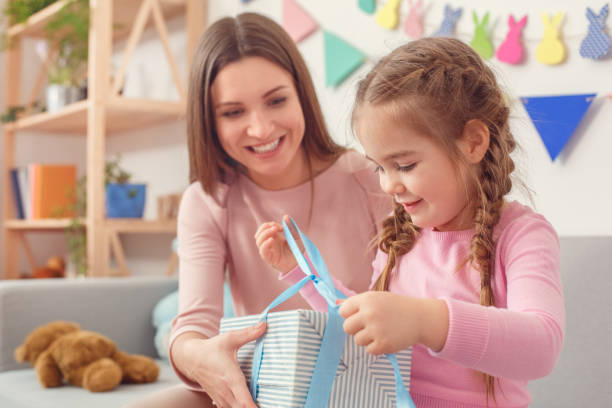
114	24
124	12
138	226
38	225
122	114
119	225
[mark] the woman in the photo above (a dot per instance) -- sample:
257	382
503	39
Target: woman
258	149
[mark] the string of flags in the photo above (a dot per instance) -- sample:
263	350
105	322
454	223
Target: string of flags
554	117
550	50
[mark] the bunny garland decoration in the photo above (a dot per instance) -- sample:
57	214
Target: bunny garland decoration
596	44
388	16
511	50
447	27
413	25
551	50
480	42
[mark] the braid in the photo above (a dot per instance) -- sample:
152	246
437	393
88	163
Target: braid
397	237
493	185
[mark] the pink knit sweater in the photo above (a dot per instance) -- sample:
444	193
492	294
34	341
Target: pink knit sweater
516	341
216	234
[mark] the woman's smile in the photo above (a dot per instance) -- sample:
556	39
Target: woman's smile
266	149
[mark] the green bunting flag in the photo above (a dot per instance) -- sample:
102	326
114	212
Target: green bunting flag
341	59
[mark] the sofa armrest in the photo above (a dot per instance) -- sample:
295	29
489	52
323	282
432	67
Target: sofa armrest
119	308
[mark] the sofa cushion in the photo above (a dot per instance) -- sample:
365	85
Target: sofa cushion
119	308
21	389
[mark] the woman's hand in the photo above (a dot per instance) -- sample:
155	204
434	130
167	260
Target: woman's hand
212	363
273	247
386	322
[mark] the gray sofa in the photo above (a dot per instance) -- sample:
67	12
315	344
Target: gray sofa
582	376
121	309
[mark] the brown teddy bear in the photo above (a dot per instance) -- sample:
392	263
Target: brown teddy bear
62	351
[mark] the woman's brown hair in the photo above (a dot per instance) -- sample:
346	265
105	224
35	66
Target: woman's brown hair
229	40
437	85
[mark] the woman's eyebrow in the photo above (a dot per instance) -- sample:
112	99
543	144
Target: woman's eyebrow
276	88
265	95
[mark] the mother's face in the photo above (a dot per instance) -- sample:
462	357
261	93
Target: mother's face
259	121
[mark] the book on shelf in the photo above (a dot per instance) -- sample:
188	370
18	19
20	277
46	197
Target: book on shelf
17	195
44	190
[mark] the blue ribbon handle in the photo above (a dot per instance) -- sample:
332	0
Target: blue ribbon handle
332	343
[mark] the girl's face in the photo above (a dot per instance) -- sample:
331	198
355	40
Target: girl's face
260	123
415	170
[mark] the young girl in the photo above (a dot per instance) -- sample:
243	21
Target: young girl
467	278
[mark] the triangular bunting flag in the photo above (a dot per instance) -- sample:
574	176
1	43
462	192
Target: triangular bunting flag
296	21
341	59
368	6
556	117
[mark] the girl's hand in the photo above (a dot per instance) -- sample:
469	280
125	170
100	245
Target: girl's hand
212	363
273	247
386	322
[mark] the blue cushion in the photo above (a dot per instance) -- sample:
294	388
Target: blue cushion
167	308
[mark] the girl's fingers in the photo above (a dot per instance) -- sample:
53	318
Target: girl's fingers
264	234
266	226
362	338
266	250
349	307
263	227
352	325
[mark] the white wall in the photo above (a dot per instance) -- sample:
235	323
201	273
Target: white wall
574	192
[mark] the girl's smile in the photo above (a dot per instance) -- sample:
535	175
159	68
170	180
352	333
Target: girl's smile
411	206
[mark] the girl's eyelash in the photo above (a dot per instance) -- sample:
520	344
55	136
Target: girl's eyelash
406	168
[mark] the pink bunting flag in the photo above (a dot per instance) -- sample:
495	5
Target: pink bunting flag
297	22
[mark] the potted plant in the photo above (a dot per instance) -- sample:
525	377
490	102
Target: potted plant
68	34
76	235
123	199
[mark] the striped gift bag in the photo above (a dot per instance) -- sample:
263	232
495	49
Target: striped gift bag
291	347
305	358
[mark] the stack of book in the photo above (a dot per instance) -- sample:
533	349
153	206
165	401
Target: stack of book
44	190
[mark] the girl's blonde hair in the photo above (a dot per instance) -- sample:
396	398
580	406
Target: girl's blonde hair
435	86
